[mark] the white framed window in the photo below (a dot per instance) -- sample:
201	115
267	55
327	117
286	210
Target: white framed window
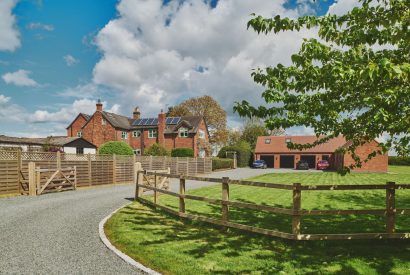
267	140
152	133
79	134
201	134
137	152
136	133
124	135
103	122
183	132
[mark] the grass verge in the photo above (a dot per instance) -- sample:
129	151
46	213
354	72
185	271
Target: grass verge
172	246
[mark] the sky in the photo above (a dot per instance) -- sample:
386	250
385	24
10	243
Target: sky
58	57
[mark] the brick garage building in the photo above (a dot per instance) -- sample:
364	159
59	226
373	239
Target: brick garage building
140	133
273	149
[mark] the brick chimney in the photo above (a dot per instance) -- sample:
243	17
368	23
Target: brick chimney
136	114
161	128
99	105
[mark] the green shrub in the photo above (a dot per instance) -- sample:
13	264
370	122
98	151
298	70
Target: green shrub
156	150
182	152
243	153
115	147
394	160
218	163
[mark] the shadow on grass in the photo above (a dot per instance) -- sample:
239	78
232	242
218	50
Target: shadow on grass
312	257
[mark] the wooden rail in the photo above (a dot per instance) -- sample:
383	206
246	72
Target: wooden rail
296	212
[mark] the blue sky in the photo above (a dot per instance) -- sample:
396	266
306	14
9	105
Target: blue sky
58	57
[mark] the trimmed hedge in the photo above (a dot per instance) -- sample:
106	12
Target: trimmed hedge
243	154
115	147
218	163
394	160
182	152
156	150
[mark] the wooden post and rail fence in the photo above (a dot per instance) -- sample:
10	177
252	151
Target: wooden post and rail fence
296	212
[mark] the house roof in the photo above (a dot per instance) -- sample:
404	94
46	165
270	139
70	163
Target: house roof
118	121
55	141
278	144
85	116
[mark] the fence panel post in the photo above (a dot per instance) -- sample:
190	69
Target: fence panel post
138	179
390	206
181	193
297	203
32	179
38	179
176	166
75	177
89	169
114	169
58	160
19	171
156	194
225	199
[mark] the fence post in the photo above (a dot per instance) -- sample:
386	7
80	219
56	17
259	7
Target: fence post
138	179
390	206
89	169
187	166
58	160
176	166
225	199
38	179
181	193
150	162
19	171
32	179
75	177
114	169
156	197
297	203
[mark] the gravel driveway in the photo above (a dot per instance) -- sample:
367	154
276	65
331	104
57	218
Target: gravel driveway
58	233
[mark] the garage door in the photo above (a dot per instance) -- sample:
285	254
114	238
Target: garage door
287	161
270	161
309	159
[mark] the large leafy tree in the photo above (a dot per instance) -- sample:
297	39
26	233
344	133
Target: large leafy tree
353	80
210	109
253	128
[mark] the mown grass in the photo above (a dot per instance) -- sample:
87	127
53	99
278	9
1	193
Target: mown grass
172	246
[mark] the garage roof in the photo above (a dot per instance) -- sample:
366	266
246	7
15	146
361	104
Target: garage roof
278	144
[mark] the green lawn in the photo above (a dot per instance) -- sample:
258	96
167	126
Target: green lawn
172	246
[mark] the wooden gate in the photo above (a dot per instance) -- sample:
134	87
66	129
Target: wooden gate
43	181
156	182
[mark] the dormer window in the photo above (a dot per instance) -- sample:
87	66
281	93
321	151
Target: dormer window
183	132
267	140
287	140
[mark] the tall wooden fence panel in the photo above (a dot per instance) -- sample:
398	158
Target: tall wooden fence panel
178	165
9	172
91	169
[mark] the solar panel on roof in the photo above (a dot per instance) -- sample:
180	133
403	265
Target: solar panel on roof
150	121
155	122
144	121
168	120
176	120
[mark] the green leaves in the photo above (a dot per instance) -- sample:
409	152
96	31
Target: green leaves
354	81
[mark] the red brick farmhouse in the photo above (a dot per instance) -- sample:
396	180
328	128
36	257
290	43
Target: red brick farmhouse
140	133
274	151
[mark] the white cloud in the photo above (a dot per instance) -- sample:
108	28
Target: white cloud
70	60
68	112
343	6
9	34
40	26
19	78
156	54
10	112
